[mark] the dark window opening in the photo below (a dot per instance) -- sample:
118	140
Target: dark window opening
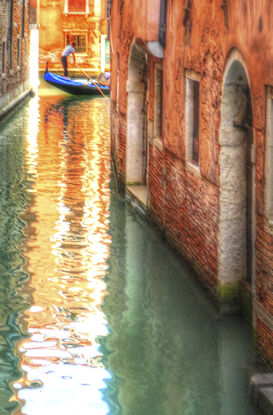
195	126
23	18
18	52
3	60
162	23
11	34
158	102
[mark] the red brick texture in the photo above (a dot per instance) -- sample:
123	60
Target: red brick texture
186	208
14	76
264	344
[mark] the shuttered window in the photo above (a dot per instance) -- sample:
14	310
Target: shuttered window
76	6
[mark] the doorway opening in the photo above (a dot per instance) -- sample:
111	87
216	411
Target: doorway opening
136	147
236	236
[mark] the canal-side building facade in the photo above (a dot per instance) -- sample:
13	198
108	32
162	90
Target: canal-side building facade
192	139
81	21
14	52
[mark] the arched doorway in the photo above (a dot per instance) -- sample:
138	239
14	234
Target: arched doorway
236	236
136	145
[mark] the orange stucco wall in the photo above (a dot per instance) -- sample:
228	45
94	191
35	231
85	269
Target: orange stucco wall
206	53
145	16
183	204
55	24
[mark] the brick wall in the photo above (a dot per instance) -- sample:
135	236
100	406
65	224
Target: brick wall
14	75
186	208
264	345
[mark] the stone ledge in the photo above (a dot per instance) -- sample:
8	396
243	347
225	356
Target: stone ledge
14	101
261	392
136	195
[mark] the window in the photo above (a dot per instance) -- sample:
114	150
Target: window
23	19
11	33
76	6
269	155
158	102
162	22
80	40
3	60
192	120
18	52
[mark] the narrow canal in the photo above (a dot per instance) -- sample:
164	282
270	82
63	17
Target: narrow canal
97	314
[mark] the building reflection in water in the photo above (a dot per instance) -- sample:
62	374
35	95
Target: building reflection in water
67	250
148	343
15	296
168	349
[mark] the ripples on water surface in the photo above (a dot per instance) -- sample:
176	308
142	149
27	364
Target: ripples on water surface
148	342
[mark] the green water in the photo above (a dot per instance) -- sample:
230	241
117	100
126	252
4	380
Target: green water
97	314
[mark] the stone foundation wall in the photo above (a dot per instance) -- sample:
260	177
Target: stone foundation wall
12	98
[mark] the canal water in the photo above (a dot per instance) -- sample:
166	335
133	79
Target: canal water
97	314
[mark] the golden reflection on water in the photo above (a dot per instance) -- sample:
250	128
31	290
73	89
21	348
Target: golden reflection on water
68	158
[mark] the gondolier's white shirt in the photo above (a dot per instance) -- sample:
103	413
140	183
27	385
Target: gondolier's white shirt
69	49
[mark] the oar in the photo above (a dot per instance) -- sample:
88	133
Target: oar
91	80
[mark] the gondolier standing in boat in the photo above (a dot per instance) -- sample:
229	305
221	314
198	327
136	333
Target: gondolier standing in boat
66	52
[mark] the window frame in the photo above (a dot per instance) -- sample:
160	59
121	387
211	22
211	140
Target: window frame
158	100
11	20
77	33
66	11
4	57
191	80
18	52
269	156
23	19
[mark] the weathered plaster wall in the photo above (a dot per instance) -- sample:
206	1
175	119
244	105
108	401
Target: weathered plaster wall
185	203
54	23
51	42
145	19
